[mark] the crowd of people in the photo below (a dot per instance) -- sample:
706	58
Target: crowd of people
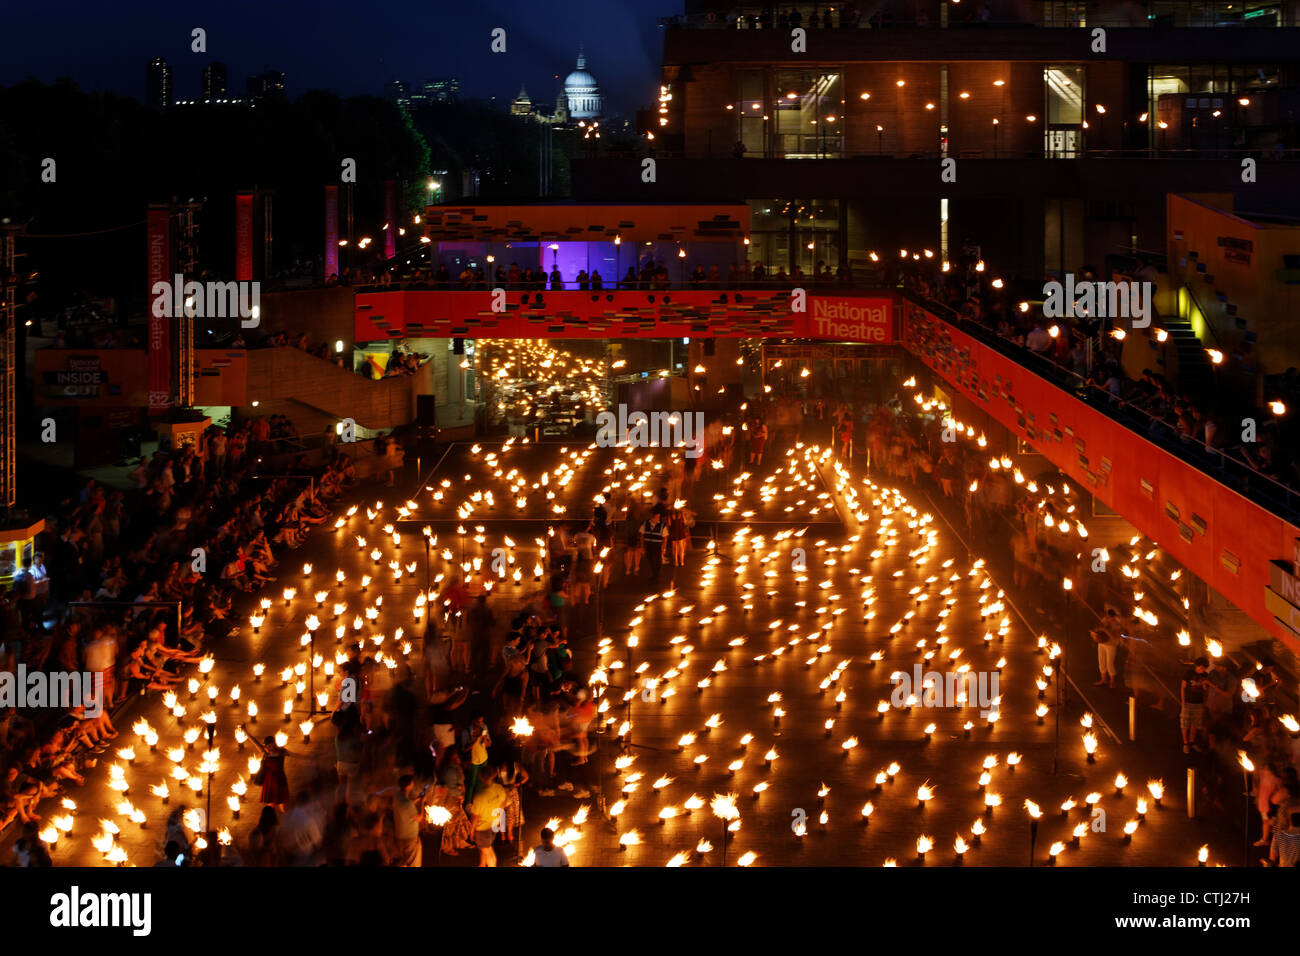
139	582
1087	358
1225	708
650	274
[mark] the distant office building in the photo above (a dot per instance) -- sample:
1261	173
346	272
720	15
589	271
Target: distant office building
214	81
158	83
430	91
270	83
441	91
397	91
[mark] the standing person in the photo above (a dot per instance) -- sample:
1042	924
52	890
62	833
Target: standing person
1220	693
547	853
558	598
477	742
349	744
407	807
1192	694
512	777
480	621
101	658
652	534
487	812
679	534
757	439
437	665
264	841
634	547
1107	636
274	781
846	436
584	563
513	683
442	718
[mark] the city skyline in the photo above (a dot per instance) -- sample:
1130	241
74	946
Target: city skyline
357	56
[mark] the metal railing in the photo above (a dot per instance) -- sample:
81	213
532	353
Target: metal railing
1220	464
740	284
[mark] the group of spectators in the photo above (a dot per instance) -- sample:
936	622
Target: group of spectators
138	583
649	275
437	763
1225	708
1083	355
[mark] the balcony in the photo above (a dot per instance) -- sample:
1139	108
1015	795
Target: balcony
1115	177
1227	524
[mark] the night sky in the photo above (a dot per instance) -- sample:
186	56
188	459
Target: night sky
350	47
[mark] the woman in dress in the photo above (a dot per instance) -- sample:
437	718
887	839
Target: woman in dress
512	776
679	534
275	784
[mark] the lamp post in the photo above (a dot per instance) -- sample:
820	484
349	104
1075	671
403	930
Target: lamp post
1247	767
1067	585
311	669
207	819
880	139
724	808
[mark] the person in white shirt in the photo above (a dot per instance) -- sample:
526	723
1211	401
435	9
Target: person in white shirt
547	853
1039	340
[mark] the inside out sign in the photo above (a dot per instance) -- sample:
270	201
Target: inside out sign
83	377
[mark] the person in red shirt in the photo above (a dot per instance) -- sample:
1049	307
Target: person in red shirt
757	439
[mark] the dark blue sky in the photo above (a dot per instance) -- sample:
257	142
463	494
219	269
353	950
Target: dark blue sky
349	47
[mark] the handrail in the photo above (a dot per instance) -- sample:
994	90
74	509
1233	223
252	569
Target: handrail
1197	302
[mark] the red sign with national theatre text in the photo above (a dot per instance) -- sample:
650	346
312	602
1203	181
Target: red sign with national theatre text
851	319
331	231
244	237
159	270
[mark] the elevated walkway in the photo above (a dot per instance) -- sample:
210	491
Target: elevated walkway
315	393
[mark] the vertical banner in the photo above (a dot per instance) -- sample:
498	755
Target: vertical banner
390	217
243	237
331	231
159	307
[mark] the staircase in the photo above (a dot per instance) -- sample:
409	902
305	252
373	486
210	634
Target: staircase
1195	376
315	393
